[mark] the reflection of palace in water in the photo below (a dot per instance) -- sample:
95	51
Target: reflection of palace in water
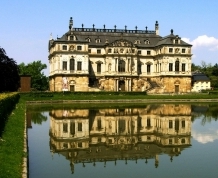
89	136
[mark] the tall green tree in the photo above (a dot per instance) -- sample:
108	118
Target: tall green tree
38	80
9	72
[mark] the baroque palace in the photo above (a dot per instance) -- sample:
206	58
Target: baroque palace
130	134
93	59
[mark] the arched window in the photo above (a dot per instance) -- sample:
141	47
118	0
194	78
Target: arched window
177	66
121	66
72	64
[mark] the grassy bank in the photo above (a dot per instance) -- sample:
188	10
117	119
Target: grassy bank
110	96
12	143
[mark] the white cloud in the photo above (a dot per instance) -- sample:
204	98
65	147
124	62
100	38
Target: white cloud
205	138
203	41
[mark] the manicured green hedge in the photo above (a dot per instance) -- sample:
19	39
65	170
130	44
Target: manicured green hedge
7	104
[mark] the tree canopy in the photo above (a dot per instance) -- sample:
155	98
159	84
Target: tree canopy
9	72
38	80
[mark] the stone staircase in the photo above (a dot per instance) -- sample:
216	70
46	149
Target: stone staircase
154	87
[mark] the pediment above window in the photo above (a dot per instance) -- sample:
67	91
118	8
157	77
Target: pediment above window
99	62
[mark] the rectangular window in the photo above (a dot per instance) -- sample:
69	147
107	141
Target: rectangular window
80	127
148	122
99	68
139	52
98	51
79	65
109	50
80	145
65	127
99	124
79	48
89	50
183	140
183	50
170	50
64	47
170	124
183	124
183	67
64	65
170	66
148	52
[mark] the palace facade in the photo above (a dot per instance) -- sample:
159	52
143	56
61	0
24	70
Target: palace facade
105	135
93	59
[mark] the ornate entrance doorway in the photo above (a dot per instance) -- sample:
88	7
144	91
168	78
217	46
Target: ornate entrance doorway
121	85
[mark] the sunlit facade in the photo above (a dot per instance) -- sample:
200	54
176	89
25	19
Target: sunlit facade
93	59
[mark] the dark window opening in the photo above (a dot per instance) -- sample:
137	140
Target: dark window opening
148	68
64	65
183	50
98	51
170	124
183	124
79	48
148	52
65	127
170	50
148	122
99	124
80	127
72	64
177	66
79	65
72	128
99	68
183	67
80	145
121	66
170	66
64	47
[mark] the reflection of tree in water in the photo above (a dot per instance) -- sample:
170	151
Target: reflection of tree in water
207	113
37	117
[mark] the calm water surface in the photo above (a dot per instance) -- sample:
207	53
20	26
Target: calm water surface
164	140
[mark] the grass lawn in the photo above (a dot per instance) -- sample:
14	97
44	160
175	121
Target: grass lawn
110	96
12	143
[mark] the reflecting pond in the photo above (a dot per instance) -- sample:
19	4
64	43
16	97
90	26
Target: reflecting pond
166	140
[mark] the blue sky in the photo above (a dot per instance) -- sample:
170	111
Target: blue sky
26	25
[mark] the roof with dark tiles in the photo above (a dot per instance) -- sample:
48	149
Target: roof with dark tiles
108	36
200	77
